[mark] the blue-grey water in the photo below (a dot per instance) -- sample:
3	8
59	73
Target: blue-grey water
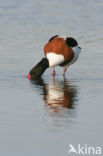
43	117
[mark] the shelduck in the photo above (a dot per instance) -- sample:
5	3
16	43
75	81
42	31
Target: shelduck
59	51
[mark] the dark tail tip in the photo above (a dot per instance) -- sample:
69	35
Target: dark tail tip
39	69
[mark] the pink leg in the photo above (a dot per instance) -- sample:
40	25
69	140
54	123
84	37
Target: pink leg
65	69
53	72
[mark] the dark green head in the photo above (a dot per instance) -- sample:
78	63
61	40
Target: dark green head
39	69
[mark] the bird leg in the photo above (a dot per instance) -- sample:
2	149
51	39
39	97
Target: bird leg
53	72
65	69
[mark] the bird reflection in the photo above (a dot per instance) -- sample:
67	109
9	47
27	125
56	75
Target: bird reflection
59	95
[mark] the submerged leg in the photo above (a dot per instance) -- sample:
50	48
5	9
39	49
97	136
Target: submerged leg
53	72
65	69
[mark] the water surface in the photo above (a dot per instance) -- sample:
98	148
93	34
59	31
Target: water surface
43	117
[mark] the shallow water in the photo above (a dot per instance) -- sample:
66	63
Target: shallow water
43	117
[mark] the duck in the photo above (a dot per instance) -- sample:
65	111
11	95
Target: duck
59	51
